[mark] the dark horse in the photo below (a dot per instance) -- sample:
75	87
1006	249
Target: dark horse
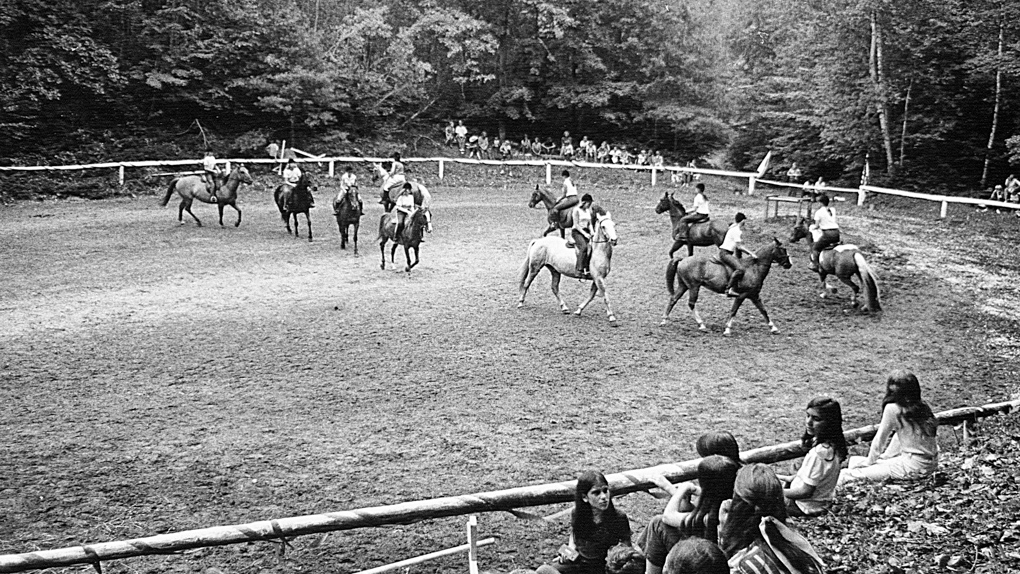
695	272
348	214
702	234
410	236
192	187
388	193
295	199
844	261
545	197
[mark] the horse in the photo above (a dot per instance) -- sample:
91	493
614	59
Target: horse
295	199
702	234
348	214
695	272
410	237
843	261
388	194
192	187
545	197
552	253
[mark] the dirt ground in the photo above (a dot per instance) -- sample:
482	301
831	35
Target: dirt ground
159	378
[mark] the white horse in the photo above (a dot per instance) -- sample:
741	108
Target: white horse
389	193
552	253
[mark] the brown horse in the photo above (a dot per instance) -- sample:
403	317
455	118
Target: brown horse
695	272
410	236
348	214
702	234
192	187
295	199
843	261
563	222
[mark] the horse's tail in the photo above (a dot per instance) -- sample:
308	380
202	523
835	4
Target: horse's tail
869	282
522	274
169	192
671	274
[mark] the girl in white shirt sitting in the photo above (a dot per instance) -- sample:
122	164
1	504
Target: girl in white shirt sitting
810	492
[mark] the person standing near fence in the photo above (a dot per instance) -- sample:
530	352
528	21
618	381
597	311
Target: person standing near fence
450	133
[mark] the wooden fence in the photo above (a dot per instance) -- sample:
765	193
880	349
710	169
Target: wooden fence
510	500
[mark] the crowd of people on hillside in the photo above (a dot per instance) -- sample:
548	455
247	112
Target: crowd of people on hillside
734	517
483	146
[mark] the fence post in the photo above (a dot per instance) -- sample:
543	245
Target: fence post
331	167
945	207
548	173
472	536
441	169
750	185
860	197
122	174
653	176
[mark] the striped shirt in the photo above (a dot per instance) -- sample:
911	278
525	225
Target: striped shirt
756	559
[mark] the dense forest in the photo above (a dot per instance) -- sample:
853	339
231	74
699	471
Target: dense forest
926	90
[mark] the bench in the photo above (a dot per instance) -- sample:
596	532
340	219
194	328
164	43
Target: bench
803	203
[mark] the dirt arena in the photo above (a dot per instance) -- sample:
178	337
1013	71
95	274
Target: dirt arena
159	378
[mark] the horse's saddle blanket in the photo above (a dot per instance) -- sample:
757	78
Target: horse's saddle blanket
840	247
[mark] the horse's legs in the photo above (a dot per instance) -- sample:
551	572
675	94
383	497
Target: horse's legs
411	265
772	327
532	272
180	213
556	290
186	206
855	290
672	302
356	225
692	301
676	245
343	233
219	206
308	220
393	252
382	252
591	297
238	209
286	221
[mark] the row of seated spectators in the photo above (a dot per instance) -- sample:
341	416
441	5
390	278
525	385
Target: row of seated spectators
734	518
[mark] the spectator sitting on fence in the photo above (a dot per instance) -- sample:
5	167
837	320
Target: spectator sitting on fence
753	531
692	511
696	556
905	446
810	491
595	527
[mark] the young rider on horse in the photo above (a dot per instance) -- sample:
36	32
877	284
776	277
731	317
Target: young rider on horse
825	220
349	184
210	174
403	209
568	199
699	213
582	232
396	174
728	250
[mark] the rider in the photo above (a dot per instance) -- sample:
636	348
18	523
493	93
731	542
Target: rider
292	176
396	174
582	232
699	213
211	174
728	250
403	209
825	220
568	199
349	184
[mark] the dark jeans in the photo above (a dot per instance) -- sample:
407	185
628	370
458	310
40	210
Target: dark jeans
829	237
564	204
688	220
581	245
733	263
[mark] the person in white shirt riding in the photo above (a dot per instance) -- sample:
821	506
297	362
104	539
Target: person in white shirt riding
403	209
825	221
699	213
732	243
349	184
211	174
569	197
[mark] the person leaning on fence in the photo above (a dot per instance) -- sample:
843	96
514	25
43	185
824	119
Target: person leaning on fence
733	243
905	446
211	174
825	221
595	527
699	212
810	491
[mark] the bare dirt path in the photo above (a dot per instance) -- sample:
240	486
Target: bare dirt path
158	377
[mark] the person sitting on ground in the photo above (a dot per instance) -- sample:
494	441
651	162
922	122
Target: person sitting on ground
211	174
696	556
731	245
537	148
905	446
810	492
1012	189
595	527
450	133
403	209
625	559
349	184
692	511
825	221
581	233
699	213
753	532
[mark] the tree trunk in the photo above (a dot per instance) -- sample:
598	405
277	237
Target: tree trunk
878	82
998	98
903	135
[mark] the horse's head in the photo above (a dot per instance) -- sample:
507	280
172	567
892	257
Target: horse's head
800	230
536	197
664	202
240	172
606	229
779	254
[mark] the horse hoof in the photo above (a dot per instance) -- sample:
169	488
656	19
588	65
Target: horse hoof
612	321
774	331
520	304
726	333
703	328
663	322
